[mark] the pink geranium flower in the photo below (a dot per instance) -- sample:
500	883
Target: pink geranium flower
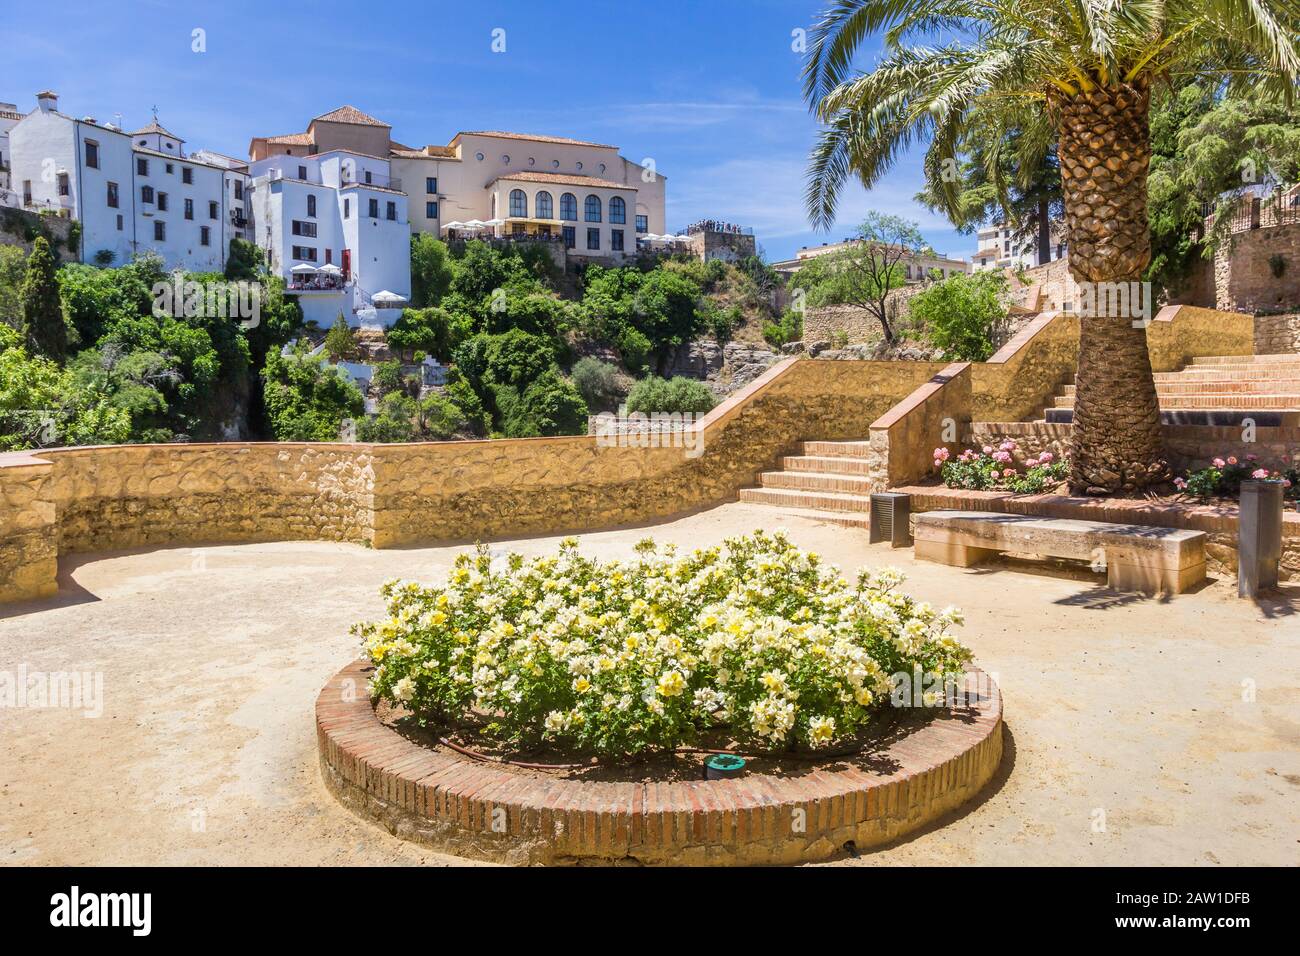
1219	463
941	454
1260	473
1046	458
1232	460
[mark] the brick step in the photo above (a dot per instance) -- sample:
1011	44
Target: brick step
817	500
1216	418
848	519
816	481
1283	357
826	463
1288	388
837	449
1211	402
1236	373
1271	387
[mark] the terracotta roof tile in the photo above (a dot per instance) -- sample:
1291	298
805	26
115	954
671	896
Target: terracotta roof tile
350	114
156	127
290	139
564	179
562	140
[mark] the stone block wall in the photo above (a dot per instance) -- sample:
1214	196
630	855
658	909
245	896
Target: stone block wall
727	246
1277	334
96	499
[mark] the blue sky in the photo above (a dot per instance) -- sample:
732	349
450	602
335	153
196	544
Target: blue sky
708	88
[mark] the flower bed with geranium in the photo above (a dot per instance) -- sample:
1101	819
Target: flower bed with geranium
994	469
1223	478
756	640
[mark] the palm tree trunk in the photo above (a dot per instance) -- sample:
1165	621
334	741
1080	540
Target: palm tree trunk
1105	148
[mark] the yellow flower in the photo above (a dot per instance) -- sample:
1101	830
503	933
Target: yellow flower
582	685
671	683
821	730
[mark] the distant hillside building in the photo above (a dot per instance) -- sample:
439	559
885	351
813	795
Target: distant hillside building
132	192
916	268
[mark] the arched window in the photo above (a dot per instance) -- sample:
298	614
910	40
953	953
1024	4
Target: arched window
518	203
543	206
569	207
617	210
592	208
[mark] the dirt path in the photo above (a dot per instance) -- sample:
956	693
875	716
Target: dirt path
1120	710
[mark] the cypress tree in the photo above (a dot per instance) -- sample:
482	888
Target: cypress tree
43	325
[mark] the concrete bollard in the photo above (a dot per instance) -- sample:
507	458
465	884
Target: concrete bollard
1259	536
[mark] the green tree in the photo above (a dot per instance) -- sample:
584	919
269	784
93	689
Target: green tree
964	315
308	399
864	272
341	341
244	261
43	325
31	388
431	271
1089	66
549	405
434	331
596	381
13	268
1207	147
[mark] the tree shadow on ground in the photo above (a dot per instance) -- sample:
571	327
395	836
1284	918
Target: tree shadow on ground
1283	601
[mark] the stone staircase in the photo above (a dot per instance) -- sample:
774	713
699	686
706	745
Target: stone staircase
829	481
1218	390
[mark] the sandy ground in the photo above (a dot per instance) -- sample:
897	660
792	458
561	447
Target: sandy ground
1133	737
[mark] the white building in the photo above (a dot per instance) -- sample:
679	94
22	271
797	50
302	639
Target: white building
9	117
999	249
335	226
584	193
132	192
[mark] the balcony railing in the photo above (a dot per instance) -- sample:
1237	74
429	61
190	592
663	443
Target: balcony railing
238	219
1255	210
316	283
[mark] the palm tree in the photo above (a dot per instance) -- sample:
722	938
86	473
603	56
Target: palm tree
1086	69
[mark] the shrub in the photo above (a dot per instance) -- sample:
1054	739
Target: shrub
756	638
670	395
596	380
431	271
994	469
964	314
307	399
1223	478
341	341
550	405
433	330
789	328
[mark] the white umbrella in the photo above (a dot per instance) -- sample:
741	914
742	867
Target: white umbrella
386	296
331	269
474	224
495	222
454	225
302	267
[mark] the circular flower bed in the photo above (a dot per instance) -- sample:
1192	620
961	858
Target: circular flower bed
756	640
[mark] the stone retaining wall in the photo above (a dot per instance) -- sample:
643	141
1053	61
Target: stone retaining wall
95	499
1277	334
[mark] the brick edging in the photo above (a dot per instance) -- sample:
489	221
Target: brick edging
477	809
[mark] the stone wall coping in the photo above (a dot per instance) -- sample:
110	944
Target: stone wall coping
481	809
1172	514
1022	338
23	459
919	396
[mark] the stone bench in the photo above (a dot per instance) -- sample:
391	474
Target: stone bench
1136	557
